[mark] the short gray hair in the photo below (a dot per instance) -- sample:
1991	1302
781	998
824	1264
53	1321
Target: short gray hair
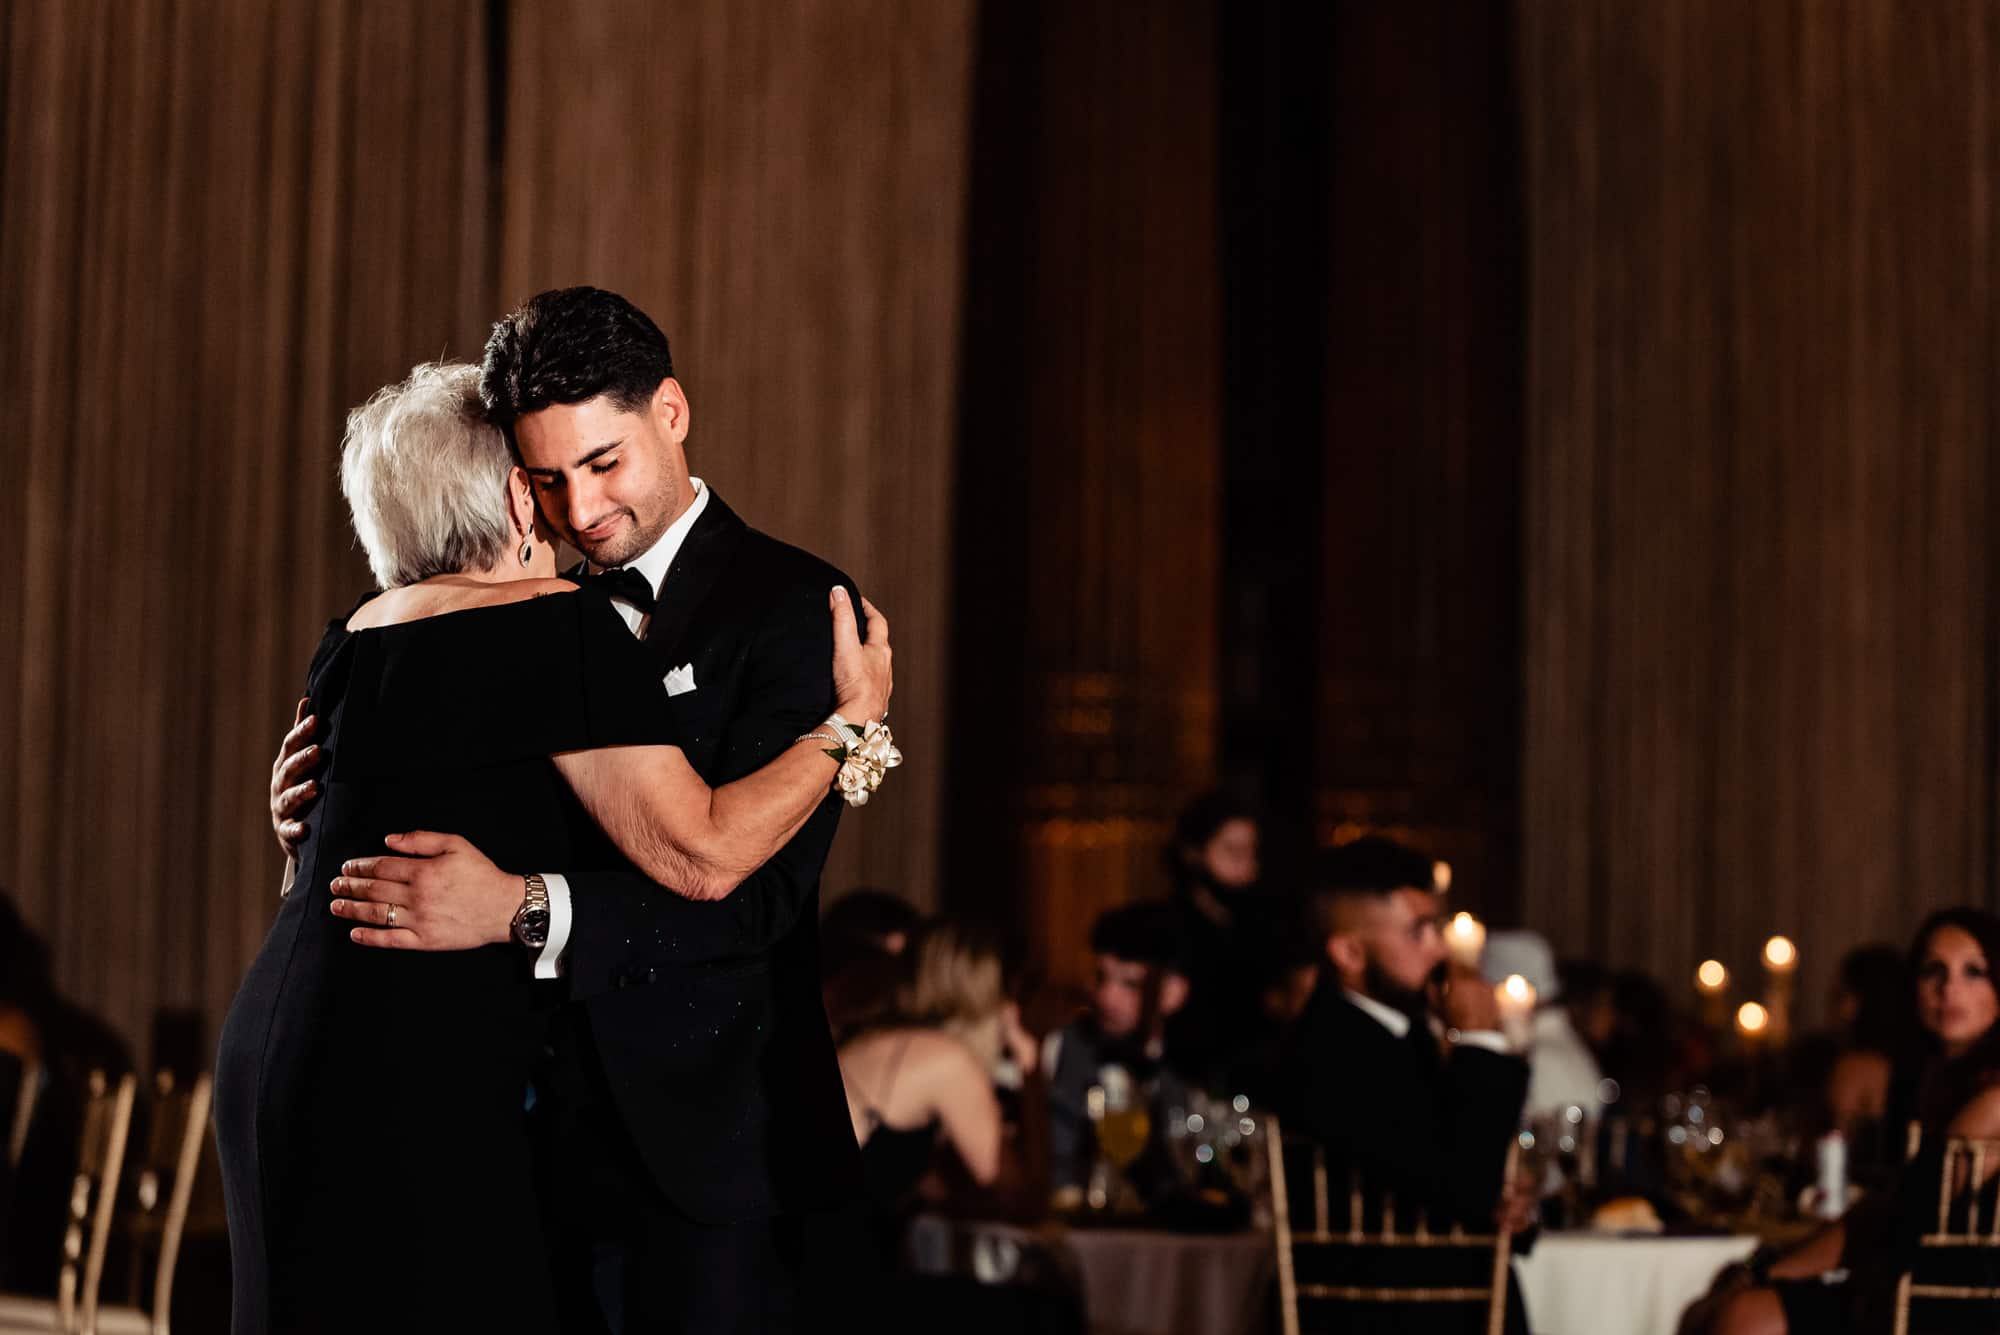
425	476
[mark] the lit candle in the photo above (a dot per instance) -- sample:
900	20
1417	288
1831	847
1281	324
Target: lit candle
1465	939
1516	999
1441	876
1712	980
1781	961
1752	1020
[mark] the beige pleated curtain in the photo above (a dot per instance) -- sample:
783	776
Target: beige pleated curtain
222	224
1761	421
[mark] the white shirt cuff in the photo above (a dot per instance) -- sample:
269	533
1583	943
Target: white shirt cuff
1490	1039
548	964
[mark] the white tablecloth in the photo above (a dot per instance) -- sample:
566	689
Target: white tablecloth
1593	1284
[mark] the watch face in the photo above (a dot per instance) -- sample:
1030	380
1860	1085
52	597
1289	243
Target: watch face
534	924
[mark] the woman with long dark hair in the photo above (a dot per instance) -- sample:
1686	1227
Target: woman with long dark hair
1955	1075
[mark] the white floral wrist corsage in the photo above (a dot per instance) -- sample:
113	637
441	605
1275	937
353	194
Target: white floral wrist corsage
865	759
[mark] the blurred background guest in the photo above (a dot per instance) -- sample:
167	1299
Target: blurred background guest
1586	995
43	1035
1139	986
1418	1114
1873	1021
1229	927
862	937
920	1072
1562	1071
1651	1050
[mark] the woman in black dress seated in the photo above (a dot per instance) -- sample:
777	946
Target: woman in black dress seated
1843	1279
372	1105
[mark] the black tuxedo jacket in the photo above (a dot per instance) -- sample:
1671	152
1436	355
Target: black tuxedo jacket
706	1016
1430	1127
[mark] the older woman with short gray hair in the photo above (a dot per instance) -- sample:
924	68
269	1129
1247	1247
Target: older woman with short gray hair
425	478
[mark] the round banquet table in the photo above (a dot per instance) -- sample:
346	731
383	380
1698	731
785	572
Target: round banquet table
1603	1284
1140	1281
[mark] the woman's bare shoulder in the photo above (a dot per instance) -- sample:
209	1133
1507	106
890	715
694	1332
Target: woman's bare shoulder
432	598
1980	1118
942	1056
921	1049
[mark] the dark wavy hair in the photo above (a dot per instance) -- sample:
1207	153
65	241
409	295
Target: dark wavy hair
1948	1084
1197	823
569	345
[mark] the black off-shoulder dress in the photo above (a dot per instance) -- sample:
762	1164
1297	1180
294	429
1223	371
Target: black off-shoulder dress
371	1104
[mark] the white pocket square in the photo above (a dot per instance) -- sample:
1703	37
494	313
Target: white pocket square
681	680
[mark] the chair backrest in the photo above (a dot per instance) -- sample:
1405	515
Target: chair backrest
100	1160
1308	1226
1965	1170
163	1184
26	1093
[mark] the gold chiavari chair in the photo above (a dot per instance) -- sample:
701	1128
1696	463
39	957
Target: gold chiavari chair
1420	1241
107	1121
25	1097
156	1214
1958	1241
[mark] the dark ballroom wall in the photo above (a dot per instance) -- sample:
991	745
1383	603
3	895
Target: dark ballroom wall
1761	428
1087	514
1241	406
221	225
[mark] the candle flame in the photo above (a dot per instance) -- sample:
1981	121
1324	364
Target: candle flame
1463	924
1780	953
1711	975
1752	1018
1517	988
1441	877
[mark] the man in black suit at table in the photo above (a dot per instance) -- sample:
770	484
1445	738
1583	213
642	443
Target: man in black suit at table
693	1111
1420	1111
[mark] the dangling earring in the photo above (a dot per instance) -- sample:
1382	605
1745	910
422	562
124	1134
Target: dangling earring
527	552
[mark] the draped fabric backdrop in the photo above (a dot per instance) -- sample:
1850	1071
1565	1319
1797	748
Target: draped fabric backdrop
1761	423
222	225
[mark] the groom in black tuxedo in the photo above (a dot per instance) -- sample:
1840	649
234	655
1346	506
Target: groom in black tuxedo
693	1111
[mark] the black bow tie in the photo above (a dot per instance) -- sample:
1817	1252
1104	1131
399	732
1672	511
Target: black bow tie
627	585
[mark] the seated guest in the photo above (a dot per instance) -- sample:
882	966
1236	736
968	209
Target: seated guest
1419	1112
1842	1279
1139	986
1872	1009
1649	1052
862	936
921	1069
1562	1071
1593	1013
1291	973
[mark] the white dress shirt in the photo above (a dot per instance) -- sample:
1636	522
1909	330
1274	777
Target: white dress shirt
1398	1024
653	563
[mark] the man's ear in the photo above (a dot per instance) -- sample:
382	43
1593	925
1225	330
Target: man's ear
1347	955
670	410
1173	993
